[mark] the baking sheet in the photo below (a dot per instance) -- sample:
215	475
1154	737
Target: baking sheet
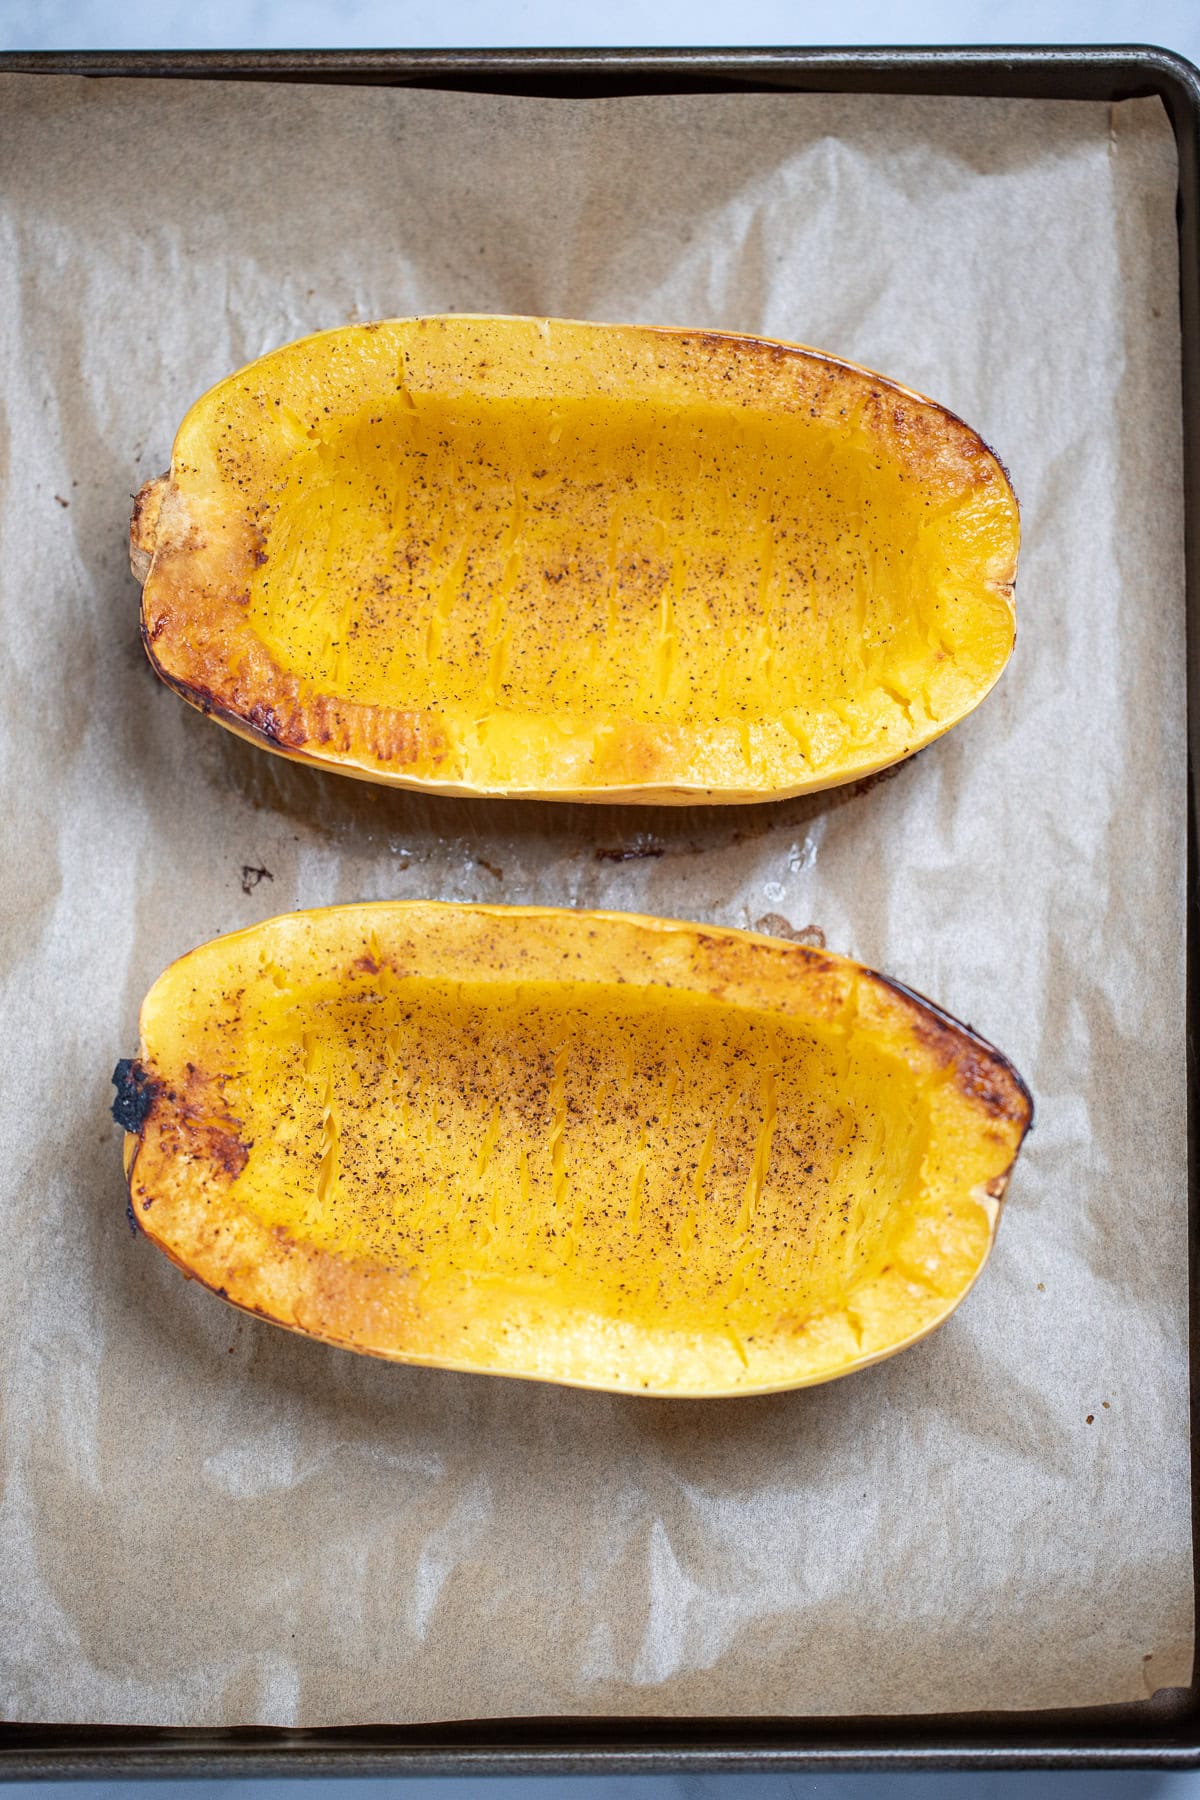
206	1521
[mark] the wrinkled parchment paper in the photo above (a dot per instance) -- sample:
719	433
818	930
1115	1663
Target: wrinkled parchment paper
208	1521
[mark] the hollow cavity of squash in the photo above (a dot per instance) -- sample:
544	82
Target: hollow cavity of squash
520	556
591	1148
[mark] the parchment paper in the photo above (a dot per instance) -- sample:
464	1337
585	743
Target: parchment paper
207	1521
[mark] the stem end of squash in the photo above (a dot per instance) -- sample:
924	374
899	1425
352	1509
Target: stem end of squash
136	1094
143	526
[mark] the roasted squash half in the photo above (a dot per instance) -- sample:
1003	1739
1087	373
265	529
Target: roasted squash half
592	1148
569	561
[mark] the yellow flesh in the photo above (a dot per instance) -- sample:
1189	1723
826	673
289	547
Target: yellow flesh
704	1160
601	1181
593	571
415	560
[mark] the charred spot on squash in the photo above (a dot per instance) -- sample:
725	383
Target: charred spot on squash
933	1032
226	1151
193	1116
980	1071
267	721
995	1085
136	1094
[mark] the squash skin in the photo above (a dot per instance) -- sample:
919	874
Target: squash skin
523	1282
729	700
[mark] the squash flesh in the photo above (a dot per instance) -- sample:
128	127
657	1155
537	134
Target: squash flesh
516	556
701	1163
